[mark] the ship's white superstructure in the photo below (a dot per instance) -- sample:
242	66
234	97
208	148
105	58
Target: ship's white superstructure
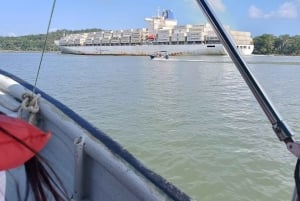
162	34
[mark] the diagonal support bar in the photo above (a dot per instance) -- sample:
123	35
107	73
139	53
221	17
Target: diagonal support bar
280	128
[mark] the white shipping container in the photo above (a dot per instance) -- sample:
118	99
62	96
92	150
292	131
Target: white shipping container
194	38
105	40
179	27
70	42
96	41
126	34
240	38
198	26
107	35
98	34
125	37
136	40
162	35
125	40
211	38
240	33
196	30
163	40
183	31
181	39
127	31
62	42
99	38
88	41
92	34
115	41
136	34
77	41
177	39
178	35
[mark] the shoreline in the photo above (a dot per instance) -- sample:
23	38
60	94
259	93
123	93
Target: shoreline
24	51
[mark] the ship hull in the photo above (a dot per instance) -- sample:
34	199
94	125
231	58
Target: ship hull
142	50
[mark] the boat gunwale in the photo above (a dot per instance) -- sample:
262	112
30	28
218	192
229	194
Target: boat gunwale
170	189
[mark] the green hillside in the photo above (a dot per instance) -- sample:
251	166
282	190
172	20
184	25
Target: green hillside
35	42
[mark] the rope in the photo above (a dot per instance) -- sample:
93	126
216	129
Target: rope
44	46
30	101
30	105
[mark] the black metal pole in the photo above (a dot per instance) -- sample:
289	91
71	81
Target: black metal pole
280	128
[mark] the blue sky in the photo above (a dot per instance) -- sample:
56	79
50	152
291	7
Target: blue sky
22	17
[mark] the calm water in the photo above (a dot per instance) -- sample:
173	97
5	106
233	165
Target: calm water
193	120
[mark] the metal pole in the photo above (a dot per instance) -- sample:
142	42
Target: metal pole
280	128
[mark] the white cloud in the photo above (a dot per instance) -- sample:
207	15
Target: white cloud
8	34
11	34
288	10
217	5
255	12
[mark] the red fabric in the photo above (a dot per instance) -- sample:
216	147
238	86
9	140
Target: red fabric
12	152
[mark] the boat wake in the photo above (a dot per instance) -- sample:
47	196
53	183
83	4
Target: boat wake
190	60
228	61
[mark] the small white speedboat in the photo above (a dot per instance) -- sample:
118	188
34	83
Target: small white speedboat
160	55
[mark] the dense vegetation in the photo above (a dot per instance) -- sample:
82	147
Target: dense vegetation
281	45
264	44
35	42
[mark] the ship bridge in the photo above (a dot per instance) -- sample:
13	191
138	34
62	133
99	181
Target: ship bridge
164	20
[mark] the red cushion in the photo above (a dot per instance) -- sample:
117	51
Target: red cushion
12	152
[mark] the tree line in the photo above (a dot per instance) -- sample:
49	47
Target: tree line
279	45
36	42
264	44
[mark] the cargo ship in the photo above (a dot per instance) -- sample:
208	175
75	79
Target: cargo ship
162	34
